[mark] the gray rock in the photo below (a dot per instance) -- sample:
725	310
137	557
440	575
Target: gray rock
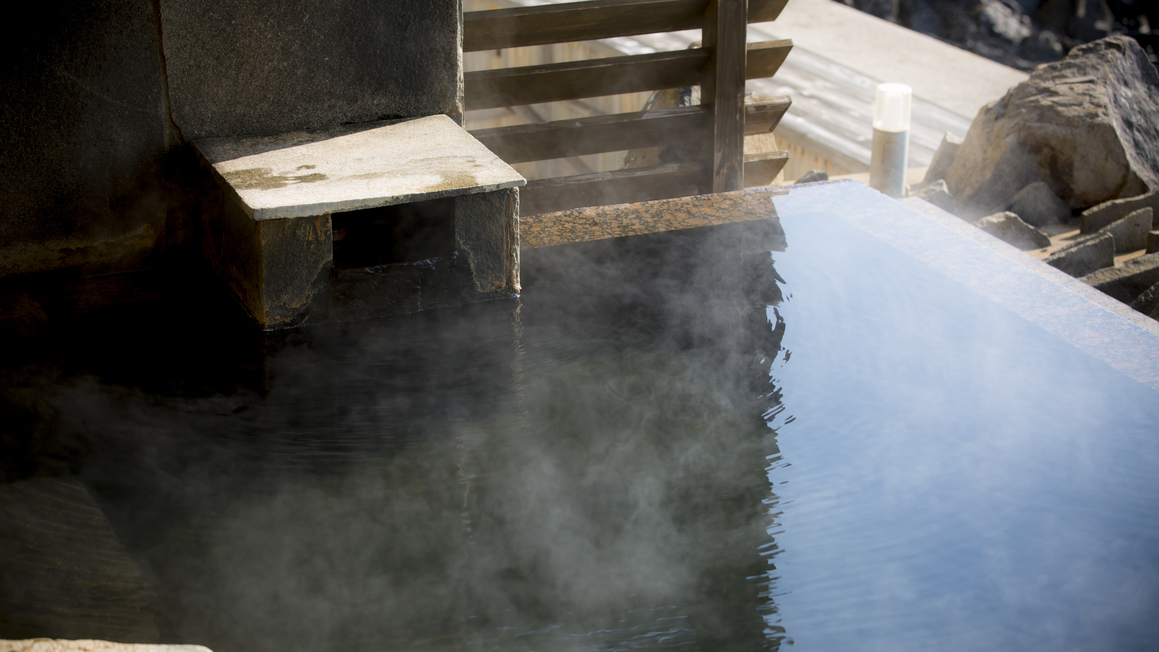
1007	226
1127	281
1086	255
240	67
1087	125
1131	231
943	158
1152	241
937	194
1148	302
1096	217
1037	205
813	175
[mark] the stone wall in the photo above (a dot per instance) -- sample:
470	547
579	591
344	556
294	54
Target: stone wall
103	97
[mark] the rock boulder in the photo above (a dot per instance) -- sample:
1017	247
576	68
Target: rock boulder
1096	217
1130	232
1037	205
1086	255
1127	281
1007	226
1088	126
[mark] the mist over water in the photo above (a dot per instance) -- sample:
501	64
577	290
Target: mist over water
726	439
583	469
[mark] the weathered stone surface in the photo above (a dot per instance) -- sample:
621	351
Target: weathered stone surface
1131	231
487	231
240	67
1037	205
88	645
937	194
1088	126
1007	226
1096	217
1148	302
401	162
1152	241
84	131
63	572
813	175
1127	281
943	158
1086	255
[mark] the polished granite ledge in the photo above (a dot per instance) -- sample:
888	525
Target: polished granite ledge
620	220
1066	307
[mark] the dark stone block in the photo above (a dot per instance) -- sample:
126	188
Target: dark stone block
84	130
243	67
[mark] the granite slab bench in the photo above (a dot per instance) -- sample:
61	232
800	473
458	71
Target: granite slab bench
293	203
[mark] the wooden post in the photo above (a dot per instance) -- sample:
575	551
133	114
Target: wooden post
725	30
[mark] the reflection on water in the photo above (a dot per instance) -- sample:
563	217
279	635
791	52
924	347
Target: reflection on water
582	470
957	478
616	461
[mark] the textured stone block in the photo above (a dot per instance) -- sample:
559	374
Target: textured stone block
1131	231
85	135
1037	205
274	241
239	67
1096	217
1085	255
487	231
943	158
1008	227
1127	281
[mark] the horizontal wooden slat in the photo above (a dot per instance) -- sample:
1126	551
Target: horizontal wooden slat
761	169
573	80
617	187
761	11
606	133
766	57
587	21
762	115
576	21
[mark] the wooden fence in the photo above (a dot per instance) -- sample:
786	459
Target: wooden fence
718	125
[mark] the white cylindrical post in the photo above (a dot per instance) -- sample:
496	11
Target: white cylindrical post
891	118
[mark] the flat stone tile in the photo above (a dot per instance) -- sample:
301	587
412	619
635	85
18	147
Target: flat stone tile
621	220
563	227
401	162
1010	278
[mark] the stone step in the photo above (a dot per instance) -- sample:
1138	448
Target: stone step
273	239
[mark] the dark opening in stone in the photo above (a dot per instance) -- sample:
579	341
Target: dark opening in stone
403	233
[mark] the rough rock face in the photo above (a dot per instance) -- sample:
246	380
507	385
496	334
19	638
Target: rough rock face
1130	233
1088	254
1007	226
943	158
1127	281
1097	217
1037	204
1088	126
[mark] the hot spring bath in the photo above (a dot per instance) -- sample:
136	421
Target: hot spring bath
684	441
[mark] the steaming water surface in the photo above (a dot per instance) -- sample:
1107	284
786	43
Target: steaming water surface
681	442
